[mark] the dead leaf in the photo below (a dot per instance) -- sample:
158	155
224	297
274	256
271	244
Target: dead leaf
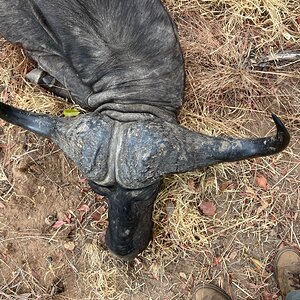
4	257
5	95
58	224
68	218
225	185
96	216
85	189
99	197
253	286
85	208
83	180
69	246
183	275
233	255
102	238
261	181
191	184
258	264
217	260
208	208
267	296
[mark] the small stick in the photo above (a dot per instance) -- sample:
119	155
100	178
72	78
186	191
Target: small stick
284	56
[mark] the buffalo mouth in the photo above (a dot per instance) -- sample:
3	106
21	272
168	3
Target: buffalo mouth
124	251
130	218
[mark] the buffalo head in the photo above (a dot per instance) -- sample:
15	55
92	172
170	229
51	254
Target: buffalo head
126	162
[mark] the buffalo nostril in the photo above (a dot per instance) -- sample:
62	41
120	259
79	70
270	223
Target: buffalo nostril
125	233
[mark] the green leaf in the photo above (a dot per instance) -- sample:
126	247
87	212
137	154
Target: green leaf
71	112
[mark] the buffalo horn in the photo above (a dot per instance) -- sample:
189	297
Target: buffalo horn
205	150
41	124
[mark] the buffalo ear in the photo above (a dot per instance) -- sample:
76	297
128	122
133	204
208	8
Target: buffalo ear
48	82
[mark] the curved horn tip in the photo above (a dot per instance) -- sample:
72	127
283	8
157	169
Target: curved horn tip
282	133
277	121
4	108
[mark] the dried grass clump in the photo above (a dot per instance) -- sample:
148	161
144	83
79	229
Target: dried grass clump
272	15
279	19
100	275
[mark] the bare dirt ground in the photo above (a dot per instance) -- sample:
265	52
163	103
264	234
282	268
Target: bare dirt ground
223	224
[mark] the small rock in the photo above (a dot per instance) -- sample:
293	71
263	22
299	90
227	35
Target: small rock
51	219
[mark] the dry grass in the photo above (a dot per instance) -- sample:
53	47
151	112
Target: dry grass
14	66
275	19
226	94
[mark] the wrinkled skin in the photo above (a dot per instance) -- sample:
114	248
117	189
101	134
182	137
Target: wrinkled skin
122	62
